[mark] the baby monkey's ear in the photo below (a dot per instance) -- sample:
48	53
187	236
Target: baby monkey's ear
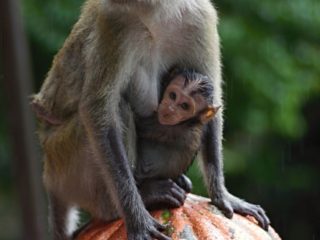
209	113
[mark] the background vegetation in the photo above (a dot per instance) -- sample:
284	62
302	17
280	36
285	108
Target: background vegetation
271	70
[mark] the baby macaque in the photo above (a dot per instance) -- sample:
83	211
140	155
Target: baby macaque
169	140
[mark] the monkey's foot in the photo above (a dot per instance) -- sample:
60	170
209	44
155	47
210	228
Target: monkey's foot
159	193
150	230
229	204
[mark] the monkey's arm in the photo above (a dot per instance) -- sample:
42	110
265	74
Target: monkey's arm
105	139
213	170
209	65
99	109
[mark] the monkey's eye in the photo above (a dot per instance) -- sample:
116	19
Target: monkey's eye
185	106
173	95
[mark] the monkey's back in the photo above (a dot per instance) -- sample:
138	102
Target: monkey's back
61	90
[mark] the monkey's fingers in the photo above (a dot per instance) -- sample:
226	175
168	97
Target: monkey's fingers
169	201
157	230
158	235
178	193
265	218
261	217
244	208
172	195
255	211
162	193
159	226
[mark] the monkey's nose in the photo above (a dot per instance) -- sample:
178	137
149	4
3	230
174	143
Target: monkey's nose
171	108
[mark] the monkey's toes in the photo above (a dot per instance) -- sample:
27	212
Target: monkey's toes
157	229
224	206
257	212
159	235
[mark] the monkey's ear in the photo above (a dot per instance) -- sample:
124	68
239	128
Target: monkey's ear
208	114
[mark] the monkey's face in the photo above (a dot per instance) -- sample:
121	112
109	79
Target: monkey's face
179	103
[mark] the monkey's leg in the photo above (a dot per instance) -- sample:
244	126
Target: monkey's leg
63	218
119	181
101	205
161	193
213	171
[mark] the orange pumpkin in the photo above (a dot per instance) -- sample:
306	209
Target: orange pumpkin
195	220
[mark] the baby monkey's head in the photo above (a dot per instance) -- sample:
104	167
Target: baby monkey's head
188	95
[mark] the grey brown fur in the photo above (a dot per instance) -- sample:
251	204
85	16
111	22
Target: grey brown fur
122	48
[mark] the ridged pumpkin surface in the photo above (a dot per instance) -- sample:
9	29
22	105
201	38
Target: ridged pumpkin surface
195	220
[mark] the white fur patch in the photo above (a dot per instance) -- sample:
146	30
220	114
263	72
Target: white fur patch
72	220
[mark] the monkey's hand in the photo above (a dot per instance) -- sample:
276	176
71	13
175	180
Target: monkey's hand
159	193
149	230
229	204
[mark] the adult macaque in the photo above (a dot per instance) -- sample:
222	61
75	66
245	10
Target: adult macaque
108	71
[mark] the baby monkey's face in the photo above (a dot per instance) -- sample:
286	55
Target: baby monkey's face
182	102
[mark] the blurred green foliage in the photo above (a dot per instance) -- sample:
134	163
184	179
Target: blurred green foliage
271	55
271	70
49	22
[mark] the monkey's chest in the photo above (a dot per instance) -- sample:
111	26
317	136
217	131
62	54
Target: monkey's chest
144	87
150	56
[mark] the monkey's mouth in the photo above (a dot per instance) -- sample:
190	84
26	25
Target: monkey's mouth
166	120
166	114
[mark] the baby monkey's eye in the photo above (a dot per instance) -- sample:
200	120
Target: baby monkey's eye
185	106
173	95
